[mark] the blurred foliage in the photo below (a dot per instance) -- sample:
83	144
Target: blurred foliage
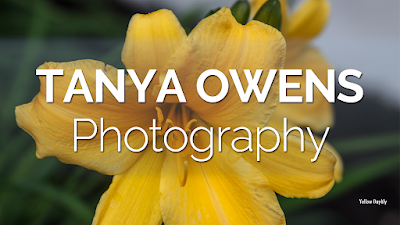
67	18
34	191
46	191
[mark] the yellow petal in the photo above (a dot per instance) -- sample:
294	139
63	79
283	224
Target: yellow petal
319	114
151	40
277	123
218	192
291	173
308	21
133	196
339	161
219	42
52	124
255	5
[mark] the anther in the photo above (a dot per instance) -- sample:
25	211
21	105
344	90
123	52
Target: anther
188	124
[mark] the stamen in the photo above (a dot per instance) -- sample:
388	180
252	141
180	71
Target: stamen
178	115
168	123
188	124
160	116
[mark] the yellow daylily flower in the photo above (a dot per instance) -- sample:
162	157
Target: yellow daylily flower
150	187
298	29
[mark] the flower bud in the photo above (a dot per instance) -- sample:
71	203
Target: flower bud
270	13
212	11
241	11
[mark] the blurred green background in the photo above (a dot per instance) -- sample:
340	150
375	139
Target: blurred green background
46	191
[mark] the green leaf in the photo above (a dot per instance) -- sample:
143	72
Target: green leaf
367	143
75	207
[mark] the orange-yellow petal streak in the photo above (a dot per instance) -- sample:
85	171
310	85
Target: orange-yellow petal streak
52	124
291	173
218	192
133	197
319	114
277	123
219	42
151	39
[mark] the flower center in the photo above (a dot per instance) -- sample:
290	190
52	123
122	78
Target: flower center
178	116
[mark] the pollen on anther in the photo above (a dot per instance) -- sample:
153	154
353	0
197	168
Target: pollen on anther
187	127
160	116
